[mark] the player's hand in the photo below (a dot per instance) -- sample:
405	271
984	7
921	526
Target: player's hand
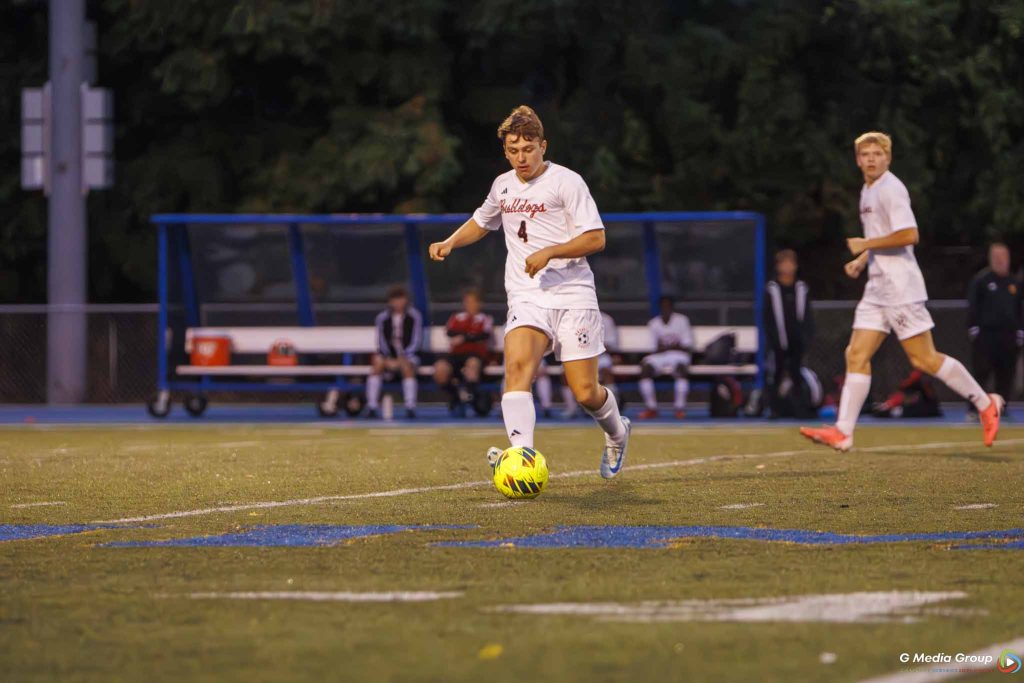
857	245
854	268
458	340
536	261
439	250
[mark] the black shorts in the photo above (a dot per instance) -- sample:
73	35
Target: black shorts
459	360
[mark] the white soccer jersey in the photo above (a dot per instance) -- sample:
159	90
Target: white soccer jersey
611	333
551	209
675	333
894	278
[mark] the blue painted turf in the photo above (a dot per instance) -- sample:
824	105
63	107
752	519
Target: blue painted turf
662	536
21	532
283	536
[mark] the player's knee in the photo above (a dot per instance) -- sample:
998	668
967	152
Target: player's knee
587	392
647	372
376	364
857	360
517	373
682	371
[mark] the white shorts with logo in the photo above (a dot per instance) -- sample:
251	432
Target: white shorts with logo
574	334
666	362
906	320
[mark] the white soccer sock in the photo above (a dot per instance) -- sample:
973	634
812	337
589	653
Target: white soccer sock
956	377
373	387
608	418
682	389
569	399
520	417
544	391
409	392
855	392
647	392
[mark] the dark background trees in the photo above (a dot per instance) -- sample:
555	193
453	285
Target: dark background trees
358	105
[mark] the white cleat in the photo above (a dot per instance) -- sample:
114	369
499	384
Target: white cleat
493	453
614	457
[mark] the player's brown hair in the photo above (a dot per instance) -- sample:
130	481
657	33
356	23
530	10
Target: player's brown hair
396	291
873	137
523	122
786	255
474	292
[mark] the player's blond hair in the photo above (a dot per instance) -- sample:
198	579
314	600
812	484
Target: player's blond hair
874	138
523	122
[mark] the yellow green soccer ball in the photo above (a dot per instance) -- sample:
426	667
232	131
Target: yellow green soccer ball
520	472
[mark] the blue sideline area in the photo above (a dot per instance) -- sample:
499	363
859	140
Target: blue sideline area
427	416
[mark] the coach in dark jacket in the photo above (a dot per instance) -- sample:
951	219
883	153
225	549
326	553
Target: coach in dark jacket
789	327
399	335
995	321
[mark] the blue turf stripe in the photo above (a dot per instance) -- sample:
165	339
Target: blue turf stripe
21	532
285	536
661	536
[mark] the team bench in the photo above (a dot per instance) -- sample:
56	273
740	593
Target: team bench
249	370
634	340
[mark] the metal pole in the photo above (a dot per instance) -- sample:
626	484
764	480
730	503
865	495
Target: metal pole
66	240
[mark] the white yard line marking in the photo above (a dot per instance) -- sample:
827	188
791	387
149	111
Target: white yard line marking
929	676
320	596
740	506
976	506
19	506
845	608
317	500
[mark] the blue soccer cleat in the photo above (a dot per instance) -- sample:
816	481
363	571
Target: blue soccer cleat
614	457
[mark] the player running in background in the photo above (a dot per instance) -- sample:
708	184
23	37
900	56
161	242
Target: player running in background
894	300
673	339
469	336
551	225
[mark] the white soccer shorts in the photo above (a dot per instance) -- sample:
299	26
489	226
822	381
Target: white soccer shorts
666	362
574	334
906	320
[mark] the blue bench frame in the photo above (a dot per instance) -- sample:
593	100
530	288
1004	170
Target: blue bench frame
172	226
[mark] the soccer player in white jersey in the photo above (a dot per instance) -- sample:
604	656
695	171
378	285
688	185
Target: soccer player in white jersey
672	338
894	300
551	225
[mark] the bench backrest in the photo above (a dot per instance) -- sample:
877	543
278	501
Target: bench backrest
362	339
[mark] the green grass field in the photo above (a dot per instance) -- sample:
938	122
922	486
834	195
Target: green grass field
73	608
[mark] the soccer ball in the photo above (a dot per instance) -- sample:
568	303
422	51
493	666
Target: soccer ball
520	472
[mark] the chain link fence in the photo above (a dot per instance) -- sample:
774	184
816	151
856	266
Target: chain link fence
122	349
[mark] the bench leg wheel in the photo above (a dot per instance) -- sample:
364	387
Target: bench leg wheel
354	403
195	405
328	407
160	404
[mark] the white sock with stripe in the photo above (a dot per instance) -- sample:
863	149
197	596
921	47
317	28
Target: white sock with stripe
520	417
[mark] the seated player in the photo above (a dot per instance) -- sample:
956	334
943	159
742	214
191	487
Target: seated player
399	334
469	333
673	339
605	362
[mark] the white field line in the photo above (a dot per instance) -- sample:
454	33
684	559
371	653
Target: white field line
740	506
318	500
976	506
929	676
19	506
320	596
837	608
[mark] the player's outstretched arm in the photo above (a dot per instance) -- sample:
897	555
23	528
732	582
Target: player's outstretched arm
468	233
590	242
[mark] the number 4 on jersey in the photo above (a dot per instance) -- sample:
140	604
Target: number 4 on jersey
522	231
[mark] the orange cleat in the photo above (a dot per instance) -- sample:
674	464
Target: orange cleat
990	418
680	414
828	436
648	414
